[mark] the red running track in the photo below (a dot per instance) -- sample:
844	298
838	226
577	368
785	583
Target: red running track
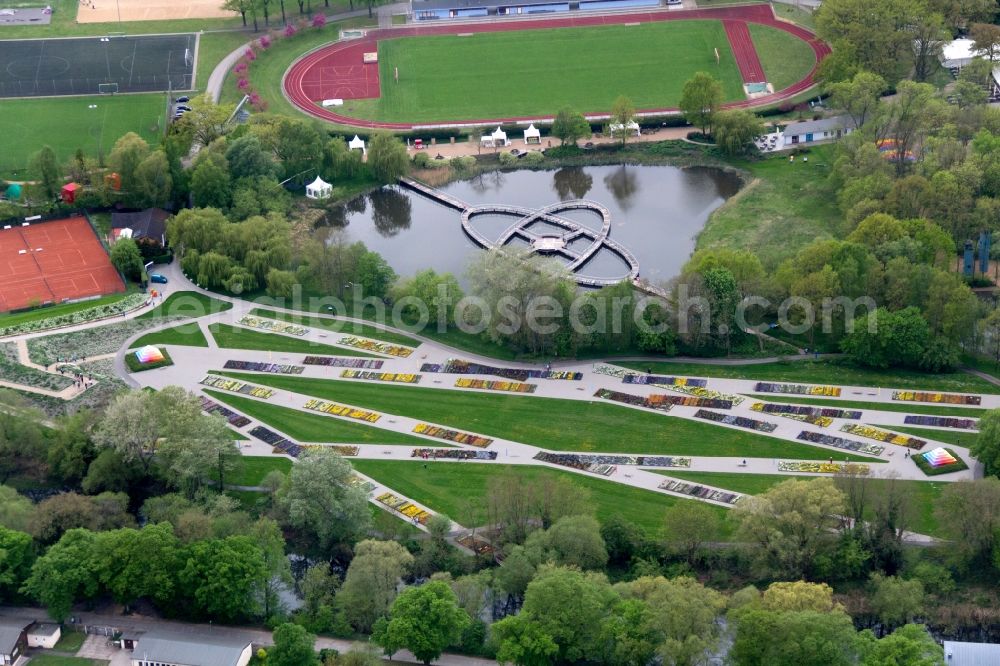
336	67
744	51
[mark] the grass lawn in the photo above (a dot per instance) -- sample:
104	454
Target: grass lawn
7	319
57	660
253	469
70	641
187	304
790	201
339	326
553	423
67	123
786	58
825	372
904	407
212	48
956	437
233	337
309	427
459	490
442	77
924	494
134	365
184	334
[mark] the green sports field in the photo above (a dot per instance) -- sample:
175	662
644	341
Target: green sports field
531	72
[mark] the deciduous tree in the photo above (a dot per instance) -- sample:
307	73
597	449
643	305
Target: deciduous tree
700	99
425	620
370	584
570	126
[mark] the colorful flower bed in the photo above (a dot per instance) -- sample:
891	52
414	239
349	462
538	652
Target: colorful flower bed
253	366
272	325
234	419
452	435
341	410
396	377
376	346
127	304
793	413
701	492
704	393
581	460
797	389
342	449
490	385
733	420
665	381
583	463
944	398
612	371
459	367
823	468
476	544
279	443
883	435
453	454
337	362
841	443
404	506
939	461
787	410
941	422
652	402
236	386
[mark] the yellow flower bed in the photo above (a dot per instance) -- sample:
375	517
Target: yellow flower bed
342	410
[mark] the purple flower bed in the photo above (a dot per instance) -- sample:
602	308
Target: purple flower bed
941	422
234	419
517	374
343	362
277	441
840	443
803	410
661	379
453	454
701	492
254	366
740	421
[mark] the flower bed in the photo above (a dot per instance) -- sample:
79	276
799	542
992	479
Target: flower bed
788	410
452	435
341	410
793	413
342	449
797	389
490	385
404	506
583	463
90	342
581	460
704	393
699	491
280	444
356	481
612	371
941	422
478	545
453	454
254	366
11	370
883	435
733	420
272	325
939	461
841	443
943	398
652	402
395	377
234	419
823	468
459	367
665	381
127	304
336	362
236	386
376	346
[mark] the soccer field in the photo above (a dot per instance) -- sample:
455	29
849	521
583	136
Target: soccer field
532	72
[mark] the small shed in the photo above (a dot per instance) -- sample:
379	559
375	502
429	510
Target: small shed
69	192
357	143
319	189
532	135
632	128
44	635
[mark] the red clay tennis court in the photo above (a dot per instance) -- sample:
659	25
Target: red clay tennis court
51	262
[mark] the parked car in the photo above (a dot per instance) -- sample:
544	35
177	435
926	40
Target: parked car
181	107
182	100
156	277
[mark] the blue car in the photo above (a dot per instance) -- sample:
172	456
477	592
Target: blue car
156	277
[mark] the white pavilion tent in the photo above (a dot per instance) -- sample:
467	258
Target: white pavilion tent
357	143
319	189
497	139
532	135
633	128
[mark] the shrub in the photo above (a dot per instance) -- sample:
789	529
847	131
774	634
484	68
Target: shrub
508	159
421	160
534	157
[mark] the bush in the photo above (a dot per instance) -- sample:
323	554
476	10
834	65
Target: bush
534	157
421	160
508	159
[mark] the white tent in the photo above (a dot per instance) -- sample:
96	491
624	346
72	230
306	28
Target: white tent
319	189
357	143
957	54
499	137
532	135
633	128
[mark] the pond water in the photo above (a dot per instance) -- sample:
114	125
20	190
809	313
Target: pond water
656	212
